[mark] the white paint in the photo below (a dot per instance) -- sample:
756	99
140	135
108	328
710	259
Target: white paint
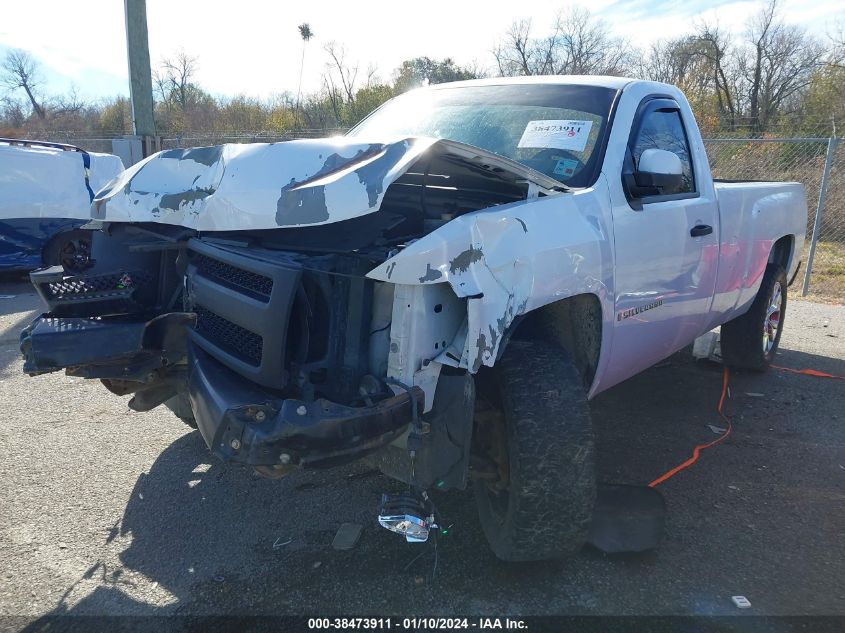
509	259
424	318
243	188
659	161
43	182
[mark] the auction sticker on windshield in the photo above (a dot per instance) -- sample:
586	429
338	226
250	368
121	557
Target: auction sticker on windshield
557	134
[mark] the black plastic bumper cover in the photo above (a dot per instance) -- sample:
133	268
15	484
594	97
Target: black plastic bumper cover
52	343
243	423
239	420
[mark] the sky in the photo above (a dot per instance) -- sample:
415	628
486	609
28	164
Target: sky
253	47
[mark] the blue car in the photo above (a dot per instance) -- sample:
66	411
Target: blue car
46	191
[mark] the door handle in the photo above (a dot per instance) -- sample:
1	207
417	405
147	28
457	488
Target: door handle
700	229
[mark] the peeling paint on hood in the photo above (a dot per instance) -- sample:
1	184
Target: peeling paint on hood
267	186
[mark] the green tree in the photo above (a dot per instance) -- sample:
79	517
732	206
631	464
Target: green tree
366	100
116	117
306	34
420	71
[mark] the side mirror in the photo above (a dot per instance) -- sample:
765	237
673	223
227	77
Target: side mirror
659	172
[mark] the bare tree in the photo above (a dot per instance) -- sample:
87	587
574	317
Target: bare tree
577	44
12	112
682	62
714	46
588	46
372	76
514	54
777	66
346	74
71	103
21	70
174	80
837	49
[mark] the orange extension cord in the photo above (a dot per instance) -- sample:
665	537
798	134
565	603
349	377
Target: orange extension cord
809	372
700	447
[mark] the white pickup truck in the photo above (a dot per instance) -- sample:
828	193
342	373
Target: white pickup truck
439	291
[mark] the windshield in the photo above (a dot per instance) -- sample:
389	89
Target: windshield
556	129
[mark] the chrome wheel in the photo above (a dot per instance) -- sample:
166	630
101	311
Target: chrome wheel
771	323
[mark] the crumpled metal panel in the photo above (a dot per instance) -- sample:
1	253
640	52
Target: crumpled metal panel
46	183
511	259
266	186
45	191
258	186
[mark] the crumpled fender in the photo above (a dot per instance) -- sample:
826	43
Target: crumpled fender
509	260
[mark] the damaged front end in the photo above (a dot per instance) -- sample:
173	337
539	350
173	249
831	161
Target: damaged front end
270	348
254	285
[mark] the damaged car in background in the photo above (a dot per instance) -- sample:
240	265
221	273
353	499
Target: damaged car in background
46	190
440	291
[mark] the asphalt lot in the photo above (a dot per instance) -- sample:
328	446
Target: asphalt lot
108	511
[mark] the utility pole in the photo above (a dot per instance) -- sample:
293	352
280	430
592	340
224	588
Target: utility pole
140	75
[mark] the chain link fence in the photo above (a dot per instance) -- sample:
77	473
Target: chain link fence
200	140
818	162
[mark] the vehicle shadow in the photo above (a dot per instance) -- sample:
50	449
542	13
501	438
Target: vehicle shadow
220	540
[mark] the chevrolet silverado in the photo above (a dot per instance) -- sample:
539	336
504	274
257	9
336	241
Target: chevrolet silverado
440	291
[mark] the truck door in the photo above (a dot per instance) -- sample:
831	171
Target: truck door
666	243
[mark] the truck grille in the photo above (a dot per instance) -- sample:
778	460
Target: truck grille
243	304
231	337
252	284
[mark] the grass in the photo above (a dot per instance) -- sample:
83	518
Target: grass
827	281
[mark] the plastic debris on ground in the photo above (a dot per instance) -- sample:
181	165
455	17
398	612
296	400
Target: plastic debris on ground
278	543
741	601
707	346
347	536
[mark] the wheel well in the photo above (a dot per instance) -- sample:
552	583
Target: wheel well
55	238
574	323
781	252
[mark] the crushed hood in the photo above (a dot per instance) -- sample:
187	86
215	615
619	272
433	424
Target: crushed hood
271	185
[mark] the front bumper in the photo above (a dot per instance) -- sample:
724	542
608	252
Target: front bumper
256	328
240	421
246	424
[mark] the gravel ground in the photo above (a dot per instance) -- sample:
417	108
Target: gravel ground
108	511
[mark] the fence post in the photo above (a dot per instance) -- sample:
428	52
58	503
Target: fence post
828	161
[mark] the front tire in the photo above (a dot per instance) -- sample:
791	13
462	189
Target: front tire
750	341
533	427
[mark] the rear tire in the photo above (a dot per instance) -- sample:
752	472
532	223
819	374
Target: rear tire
534	424
750	341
